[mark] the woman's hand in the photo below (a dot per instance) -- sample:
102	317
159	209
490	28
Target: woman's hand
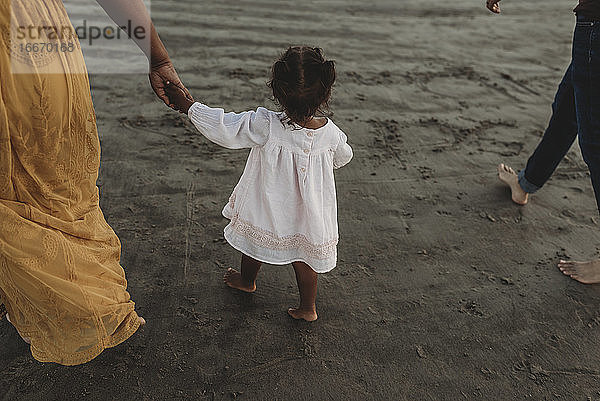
493	6
134	13
178	99
162	73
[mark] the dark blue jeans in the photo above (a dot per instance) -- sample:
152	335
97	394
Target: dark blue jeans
575	112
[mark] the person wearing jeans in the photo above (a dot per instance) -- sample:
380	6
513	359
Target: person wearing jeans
575	113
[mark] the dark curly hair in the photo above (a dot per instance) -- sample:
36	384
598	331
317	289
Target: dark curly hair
301	81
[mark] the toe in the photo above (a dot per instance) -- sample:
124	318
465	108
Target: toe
568	272
565	264
503	168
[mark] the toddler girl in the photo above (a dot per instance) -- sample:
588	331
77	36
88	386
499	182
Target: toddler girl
283	210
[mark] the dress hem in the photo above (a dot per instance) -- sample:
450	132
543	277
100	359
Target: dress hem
131	325
272	262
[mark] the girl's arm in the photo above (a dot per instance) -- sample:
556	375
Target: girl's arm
343	154
231	130
161	68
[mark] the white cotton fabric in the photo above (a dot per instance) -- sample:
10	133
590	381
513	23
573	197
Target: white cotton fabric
284	207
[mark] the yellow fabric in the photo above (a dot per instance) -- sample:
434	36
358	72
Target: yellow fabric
60	277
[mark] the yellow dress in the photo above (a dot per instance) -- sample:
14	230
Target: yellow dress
60	277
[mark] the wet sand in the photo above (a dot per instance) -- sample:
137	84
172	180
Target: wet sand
445	290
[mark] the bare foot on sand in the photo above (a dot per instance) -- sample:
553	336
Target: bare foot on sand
308	315
234	279
27	340
584	272
508	176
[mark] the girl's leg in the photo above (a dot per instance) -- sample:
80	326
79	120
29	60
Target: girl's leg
307	286
246	280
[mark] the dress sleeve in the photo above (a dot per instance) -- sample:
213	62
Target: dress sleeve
343	153
231	130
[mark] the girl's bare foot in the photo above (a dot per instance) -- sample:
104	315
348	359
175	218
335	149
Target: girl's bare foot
308	315
27	340
142	321
235	280
584	272
508	176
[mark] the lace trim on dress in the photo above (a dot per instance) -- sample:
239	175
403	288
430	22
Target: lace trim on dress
2	311
267	239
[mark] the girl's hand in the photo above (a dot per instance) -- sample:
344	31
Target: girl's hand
160	74
493	6
178	98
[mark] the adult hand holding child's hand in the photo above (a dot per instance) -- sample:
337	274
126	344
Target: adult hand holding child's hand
160	75
178	99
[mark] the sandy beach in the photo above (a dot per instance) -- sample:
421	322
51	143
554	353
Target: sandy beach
444	290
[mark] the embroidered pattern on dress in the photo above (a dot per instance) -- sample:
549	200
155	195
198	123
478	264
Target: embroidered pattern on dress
49	252
20	54
267	239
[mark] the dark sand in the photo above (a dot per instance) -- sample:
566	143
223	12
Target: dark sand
445	290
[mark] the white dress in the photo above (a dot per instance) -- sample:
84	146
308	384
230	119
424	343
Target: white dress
284	207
